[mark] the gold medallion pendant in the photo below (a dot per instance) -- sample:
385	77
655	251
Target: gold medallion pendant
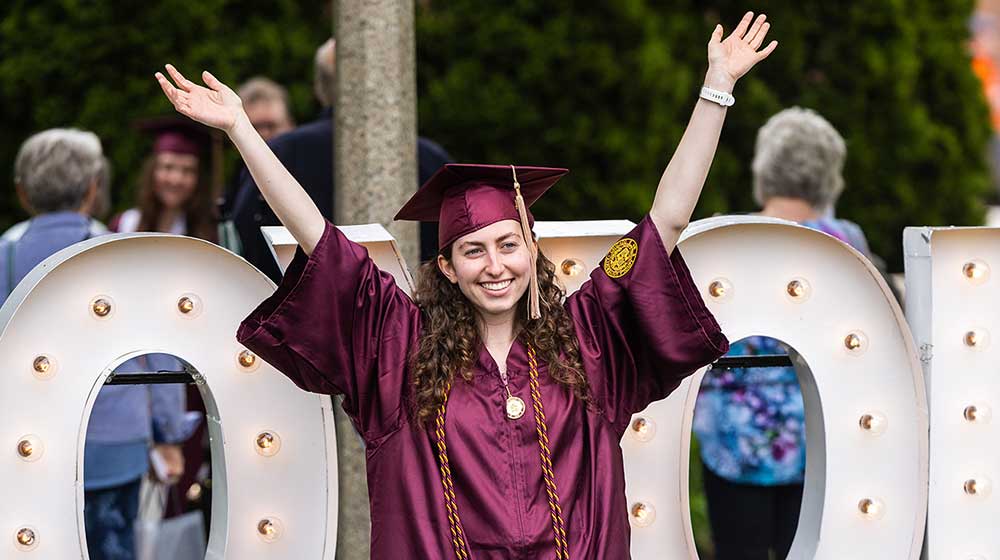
515	407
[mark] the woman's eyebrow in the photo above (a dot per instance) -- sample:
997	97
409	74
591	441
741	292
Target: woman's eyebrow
465	244
507	235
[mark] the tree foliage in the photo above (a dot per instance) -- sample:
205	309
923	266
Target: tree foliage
90	64
606	88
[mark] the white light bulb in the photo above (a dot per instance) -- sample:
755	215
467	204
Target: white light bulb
871	508
978	486
29	448
874	423
269	529
856	343
102	307
44	367
976	339
720	289
642	514
643	429
976	271
573	267
978	413
247	360
189	306
267	443
798	290
26	539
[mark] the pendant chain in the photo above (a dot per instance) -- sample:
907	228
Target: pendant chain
548	474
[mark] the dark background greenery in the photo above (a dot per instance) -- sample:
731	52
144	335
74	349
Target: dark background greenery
90	64
604	88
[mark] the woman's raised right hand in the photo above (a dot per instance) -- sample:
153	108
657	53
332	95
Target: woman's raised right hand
217	105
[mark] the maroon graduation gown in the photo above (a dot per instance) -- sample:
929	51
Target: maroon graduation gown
338	325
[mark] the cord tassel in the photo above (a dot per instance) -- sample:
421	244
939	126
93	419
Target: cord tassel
534	311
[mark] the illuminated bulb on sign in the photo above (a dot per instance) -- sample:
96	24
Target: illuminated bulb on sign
43	367
976	271
978	413
976	339
797	290
24	448
873	423
29	448
720	289
871	508
269	529
856	343
189	306
572	267
642	514
979	487
26	538
643	429
101	307
267	444
247	359
41	364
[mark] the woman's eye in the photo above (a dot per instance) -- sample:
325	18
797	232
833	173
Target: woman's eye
509	245
472	252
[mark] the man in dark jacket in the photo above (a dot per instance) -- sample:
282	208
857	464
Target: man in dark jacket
307	152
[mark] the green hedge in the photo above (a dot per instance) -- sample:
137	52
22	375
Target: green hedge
605	88
90	64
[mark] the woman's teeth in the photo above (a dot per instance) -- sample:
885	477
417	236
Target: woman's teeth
495	286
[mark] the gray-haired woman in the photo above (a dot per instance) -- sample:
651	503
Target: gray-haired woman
750	422
57	175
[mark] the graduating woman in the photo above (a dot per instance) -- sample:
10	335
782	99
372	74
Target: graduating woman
491	409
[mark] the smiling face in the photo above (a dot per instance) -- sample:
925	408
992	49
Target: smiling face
491	267
175	177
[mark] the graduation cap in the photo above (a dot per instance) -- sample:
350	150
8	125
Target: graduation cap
180	135
465	198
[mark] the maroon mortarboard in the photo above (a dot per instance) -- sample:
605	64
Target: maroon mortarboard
465	198
176	135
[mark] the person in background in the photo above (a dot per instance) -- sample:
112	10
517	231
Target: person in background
58	175
175	192
176	196
750	422
97	210
307	153
266	104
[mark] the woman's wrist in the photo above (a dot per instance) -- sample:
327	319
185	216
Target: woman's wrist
719	80
241	126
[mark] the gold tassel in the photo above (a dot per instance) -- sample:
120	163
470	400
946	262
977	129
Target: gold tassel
534	311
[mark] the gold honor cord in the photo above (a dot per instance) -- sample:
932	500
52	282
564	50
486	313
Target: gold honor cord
457	535
555	509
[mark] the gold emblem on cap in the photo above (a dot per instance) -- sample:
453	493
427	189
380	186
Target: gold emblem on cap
621	257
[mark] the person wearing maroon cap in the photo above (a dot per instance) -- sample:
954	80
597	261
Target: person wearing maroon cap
175	192
492	410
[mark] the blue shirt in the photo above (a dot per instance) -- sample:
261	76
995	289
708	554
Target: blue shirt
125	418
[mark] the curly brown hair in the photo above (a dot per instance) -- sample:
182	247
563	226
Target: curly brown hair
449	342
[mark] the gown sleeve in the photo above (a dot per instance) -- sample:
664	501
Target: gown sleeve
339	325
641	324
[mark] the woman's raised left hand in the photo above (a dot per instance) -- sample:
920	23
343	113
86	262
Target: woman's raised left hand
730	59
